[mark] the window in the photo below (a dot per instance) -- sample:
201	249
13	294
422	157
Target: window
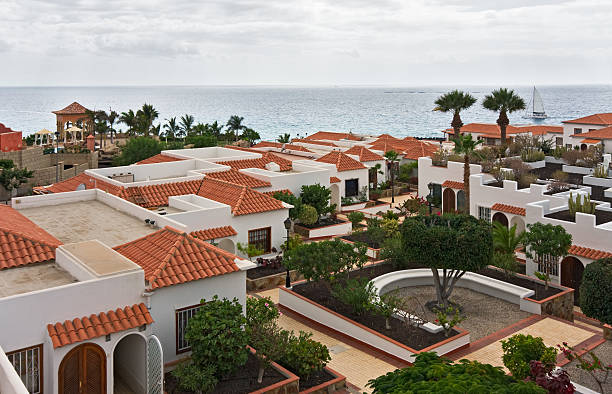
559	141
183	316
261	238
351	187
568	146
548	265
490	141
577	130
28	364
592	130
484	213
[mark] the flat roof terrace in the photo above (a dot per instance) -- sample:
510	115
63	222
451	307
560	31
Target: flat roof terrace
87	220
32	277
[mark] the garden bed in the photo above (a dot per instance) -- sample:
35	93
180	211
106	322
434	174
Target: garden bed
322	223
362	237
324	228
244	380
601	216
523	281
263	271
315	379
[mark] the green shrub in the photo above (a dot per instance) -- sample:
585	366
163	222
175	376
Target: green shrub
583	205
199	379
388	304
249	249
506	262
260	311
529	156
308	215
356	217
520	349
318	197
596	290
137	149
434	375
303	355
527	179
390	227
359	294
201	141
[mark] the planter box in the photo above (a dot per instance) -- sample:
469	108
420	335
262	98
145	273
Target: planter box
372	253
353	207
593	180
607	332
371	211
552	159
272	281
330	386
343	325
536	164
325	231
290	385
577	170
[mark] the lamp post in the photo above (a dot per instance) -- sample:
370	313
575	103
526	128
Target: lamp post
57	135
287	224
430	196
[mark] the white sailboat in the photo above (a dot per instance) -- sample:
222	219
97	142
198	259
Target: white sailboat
535	109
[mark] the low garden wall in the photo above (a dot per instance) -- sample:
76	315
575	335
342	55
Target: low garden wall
372	253
318	313
331	386
554	160
290	385
325	231
353	207
593	180
372	211
536	164
577	169
272	281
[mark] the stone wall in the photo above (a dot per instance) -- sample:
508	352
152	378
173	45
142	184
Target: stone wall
560	305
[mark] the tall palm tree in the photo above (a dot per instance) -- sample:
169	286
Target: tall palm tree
455	102
186	124
148	114
172	128
215	128
392	157
111	118
505	102
129	119
284	138
466	145
234	125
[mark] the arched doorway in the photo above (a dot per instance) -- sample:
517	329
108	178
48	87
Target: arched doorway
461	201
335	195
227	245
520	224
583	147
571	275
500	218
129	365
448	200
83	370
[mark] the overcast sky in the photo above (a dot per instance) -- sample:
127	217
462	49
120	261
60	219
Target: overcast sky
305	42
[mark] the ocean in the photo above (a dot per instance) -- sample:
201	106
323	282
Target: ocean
299	111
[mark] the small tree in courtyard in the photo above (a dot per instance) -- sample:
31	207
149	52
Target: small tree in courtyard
545	244
450	245
318	197
596	290
12	177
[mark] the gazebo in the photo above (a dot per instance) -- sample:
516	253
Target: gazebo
43	137
69	117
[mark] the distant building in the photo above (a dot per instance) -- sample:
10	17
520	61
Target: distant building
10	140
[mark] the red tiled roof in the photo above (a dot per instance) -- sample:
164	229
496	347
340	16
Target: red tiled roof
541	129
600	134
604	119
508	209
22	242
314	142
332	136
94	326
342	161
169	257
271	193
4	129
334	179
491	129
239	178
270	144
589	253
266	158
418	149
590	141
214	233
363	153
73	109
71	184
453	184
383	137
159	158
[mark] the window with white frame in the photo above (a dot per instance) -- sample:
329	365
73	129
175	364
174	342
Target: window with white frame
183	316
28	363
484	213
547	264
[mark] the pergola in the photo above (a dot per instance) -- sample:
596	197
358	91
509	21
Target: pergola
69	117
43	137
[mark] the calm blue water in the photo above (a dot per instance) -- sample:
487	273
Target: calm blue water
295	110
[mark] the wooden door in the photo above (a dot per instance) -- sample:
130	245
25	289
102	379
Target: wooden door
83	371
571	275
448	203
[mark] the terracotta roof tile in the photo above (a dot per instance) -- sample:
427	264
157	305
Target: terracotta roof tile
159	158
383	137
508	209
22	242
334	179
239	178
270	144
169	257
590	141
214	233
453	184
342	161
332	136
541	129
71	184
266	158
314	142
604	119
271	193
104	323
363	153
600	134
589	253
73	109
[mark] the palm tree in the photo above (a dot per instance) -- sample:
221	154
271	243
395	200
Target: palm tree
505	102
455	101
234	125
250	135
186	124
148	114
284	138
466	145
215	128
129	119
111	118
172	128
392	157
506	240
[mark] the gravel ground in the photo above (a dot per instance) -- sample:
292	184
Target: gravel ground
604	352
483	314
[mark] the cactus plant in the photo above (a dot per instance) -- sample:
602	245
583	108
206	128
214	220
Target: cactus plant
600	171
579	204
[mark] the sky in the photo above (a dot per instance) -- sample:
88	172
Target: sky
304	42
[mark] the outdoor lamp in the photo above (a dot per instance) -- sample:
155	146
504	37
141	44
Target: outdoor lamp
287	224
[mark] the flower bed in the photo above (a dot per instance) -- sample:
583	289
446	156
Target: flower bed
324	229
601	216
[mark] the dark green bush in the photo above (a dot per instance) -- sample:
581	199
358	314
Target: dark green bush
520	350
359	294
596	290
303	355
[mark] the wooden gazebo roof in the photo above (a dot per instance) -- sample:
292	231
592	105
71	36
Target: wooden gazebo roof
73	109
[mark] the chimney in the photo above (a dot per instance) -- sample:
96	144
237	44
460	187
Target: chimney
91	143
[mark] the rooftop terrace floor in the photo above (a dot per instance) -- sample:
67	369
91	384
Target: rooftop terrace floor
87	220
32	277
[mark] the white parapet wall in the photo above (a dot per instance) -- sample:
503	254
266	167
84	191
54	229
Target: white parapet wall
430	173
10	382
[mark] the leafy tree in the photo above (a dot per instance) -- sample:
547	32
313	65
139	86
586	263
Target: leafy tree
308	215
250	135
201	141
505	102
435	375
520	349
453	244
137	149
234	125
264	334
284	138
455	102
467	146
12	177
318	197
291	199
172	128
392	157
546	243
596	290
